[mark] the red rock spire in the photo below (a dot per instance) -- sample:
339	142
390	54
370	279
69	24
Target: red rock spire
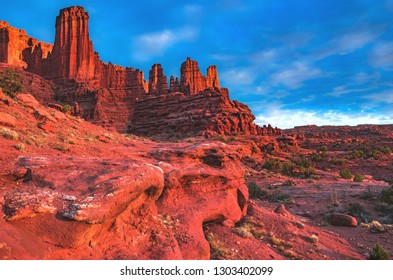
158	83
192	81
212	77
73	55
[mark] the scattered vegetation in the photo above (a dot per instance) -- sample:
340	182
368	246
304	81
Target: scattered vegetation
356	209
10	82
358	178
275	240
345	173
367	152
8	133
300	168
386	196
255	191
378	253
335	200
368	195
66	108
272	164
221	139
20	147
217	250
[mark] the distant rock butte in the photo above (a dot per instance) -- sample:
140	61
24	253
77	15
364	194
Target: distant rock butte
109	95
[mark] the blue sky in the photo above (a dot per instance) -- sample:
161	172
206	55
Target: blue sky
293	62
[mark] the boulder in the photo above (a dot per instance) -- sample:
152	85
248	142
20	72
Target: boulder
338	219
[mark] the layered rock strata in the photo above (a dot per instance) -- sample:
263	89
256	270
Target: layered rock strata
108	94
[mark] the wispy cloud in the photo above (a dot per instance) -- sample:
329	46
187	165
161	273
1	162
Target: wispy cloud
238	76
296	74
348	42
381	97
156	43
342	90
382	55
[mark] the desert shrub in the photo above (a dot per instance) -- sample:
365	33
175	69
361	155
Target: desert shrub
20	147
288	168
355	209
272	164
8	133
378	253
300	167
217	249
255	191
221	139
345	173
10	82
357	154
338	161
324	149
232	139
358	178
289	183
386	150
386	196
66	108
275	240
250	159
317	157
335	199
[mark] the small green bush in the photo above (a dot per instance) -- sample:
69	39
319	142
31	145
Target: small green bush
255	191
387	196
272	164
378	253
10	82
386	150
358	178
324	149
66	108
345	173
357	154
221	139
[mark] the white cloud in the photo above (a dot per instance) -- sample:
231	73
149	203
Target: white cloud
238	76
382	55
348	43
294	76
264	57
291	118
156	43
342	90
353	41
381	97
363	78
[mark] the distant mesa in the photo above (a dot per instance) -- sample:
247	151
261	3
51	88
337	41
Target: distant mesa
111	95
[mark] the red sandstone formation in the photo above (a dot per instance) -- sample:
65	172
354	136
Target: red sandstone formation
19	49
158	83
174	85
207	113
192	81
73	55
212	77
105	94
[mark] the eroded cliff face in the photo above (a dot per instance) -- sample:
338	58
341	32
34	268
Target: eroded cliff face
208	113
108	94
19	49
